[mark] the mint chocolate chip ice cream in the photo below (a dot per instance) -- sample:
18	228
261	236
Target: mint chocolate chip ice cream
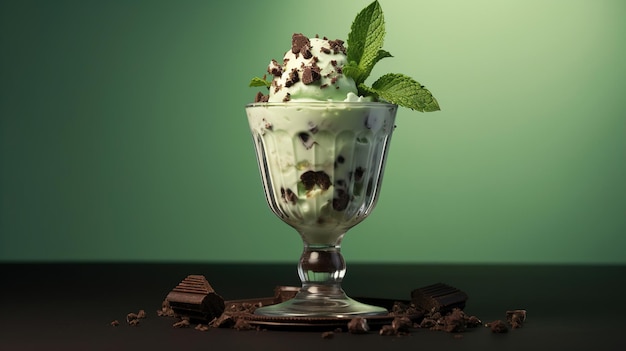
312	70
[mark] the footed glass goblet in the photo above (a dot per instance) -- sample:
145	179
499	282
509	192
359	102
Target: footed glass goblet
321	166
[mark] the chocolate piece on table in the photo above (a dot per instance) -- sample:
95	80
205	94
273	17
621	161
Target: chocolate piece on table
284	293
195	298
438	297
516	318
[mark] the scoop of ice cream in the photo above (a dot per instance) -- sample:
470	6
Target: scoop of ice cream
311	71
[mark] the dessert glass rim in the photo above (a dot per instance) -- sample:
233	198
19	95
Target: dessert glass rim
317	103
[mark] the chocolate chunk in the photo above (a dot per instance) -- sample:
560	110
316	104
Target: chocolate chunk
275	69
341	200
261	98
337	46
497	326
358	174
312	178
311	74
305	50
306	139
195	298
298	41
358	325
516	318
293	78
438	297
288	195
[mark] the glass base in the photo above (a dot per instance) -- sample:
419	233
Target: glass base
322	307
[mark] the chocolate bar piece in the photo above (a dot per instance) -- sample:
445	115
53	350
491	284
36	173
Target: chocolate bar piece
195	298
438	297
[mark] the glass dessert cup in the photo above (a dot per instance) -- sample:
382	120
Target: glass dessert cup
321	166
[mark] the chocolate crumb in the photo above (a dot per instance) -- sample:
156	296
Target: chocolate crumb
516	318
134	322
166	310
358	325
497	326
115	323
287	97
131	317
141	314
401	324
223	321
242	324
202	327
183	323
387	330
328	335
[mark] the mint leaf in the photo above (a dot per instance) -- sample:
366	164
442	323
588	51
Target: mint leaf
259	82
365	41
404	91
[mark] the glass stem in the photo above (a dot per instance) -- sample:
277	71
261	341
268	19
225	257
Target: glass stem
321	270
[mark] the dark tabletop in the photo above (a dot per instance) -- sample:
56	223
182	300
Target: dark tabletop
70	306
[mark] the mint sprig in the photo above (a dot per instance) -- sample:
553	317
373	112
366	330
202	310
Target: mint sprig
260	82
365	42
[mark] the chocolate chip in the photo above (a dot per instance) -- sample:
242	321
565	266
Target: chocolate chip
306	139
358	174
312	178
288	195
341	200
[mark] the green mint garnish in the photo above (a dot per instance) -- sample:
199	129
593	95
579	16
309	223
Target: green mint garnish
260	82
365	43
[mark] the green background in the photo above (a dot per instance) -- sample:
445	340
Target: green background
123	134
